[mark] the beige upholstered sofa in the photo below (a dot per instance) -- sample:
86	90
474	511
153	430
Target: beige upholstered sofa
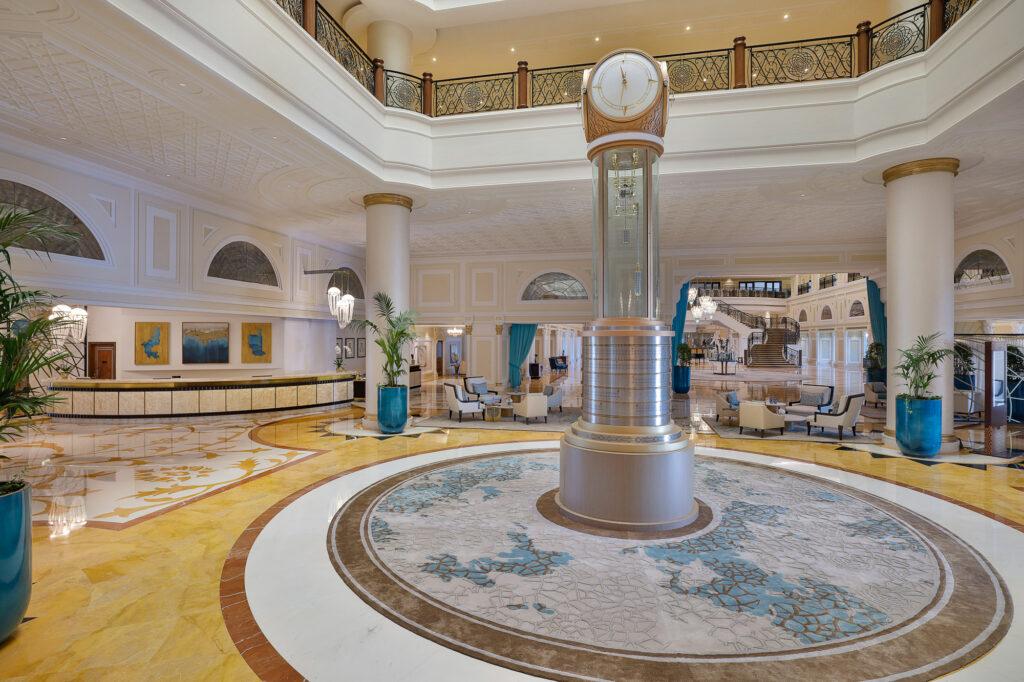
756	415
532	406
813	397
844	415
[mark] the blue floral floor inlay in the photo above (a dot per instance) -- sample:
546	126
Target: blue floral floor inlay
787	562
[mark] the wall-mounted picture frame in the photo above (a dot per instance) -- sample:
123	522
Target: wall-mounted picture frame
257	342
204	343
361	347
350	348
339	346
152	343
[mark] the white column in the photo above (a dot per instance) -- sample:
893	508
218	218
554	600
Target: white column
919	266
391	42
387	270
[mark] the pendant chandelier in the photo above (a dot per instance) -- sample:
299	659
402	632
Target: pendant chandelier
341	306
703	308
454	331
75	321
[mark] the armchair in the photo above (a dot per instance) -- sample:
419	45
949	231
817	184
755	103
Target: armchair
554	394
559	363
532	406
459	402
968	403
476	388
845	415
875	393
756	415
813	398
724	407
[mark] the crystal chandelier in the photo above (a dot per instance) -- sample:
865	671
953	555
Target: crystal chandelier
75	321
341	306
454	331
708	306
691	296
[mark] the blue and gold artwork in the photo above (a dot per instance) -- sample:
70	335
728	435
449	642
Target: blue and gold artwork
152	343
204	342
257	341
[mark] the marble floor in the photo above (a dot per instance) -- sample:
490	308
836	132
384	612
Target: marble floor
143	530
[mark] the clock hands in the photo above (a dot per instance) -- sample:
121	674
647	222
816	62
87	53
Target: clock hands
622	92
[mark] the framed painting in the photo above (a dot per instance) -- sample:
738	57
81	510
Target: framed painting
340	347
361	347
257	342
204	342
350	348
152	343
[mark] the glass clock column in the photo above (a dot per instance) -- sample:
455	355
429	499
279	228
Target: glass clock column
625	464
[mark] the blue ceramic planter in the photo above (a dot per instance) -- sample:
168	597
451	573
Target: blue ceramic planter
680	379
15	558
963	382
919	427
392	408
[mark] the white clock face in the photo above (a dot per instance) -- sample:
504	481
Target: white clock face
624	85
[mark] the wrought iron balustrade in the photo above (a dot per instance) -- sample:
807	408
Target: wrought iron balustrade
955	9
804	288
853	276
293	8
403	91
559	85
826	282
698	71
899	36
333	38
801	60
494	92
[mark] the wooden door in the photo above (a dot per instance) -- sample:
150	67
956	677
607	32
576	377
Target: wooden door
102	362
439	360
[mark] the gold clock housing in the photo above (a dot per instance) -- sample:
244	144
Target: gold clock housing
625	92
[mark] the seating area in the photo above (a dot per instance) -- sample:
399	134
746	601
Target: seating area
460	403
559	364
726	405
757	415
875	393
813	398
476	387
843	415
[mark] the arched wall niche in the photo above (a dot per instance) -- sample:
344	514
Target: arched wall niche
20	196
554	286
826	313
348	282
242	261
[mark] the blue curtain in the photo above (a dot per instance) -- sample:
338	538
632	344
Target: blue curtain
876	311
520	338
679	321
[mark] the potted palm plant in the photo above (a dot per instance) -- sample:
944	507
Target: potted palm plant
27	348
918	413
876	362
393	332
681	370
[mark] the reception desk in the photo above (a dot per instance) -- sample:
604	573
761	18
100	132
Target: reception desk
104	398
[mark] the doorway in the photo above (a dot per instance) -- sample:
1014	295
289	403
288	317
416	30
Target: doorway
439	359
101	361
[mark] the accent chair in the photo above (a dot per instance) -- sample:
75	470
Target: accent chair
875	393
532	406
459	402
476	388
756	415
554	394
813	398
726	408
844	415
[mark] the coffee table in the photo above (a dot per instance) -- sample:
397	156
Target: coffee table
492	413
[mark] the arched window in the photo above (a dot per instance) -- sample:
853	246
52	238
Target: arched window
554	286
980	267
348	282
857	309
19	196
802	317
826	313
243	262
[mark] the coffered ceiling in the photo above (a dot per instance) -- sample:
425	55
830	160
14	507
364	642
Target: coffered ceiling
86	88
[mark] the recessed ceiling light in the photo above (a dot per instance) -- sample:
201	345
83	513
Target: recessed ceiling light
435	59
687	28
181	85
512	50
63	139
785	16
167	175
597	39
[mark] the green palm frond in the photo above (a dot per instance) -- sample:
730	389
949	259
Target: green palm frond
394	332
919	363
26	230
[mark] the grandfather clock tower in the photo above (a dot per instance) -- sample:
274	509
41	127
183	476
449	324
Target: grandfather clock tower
625	465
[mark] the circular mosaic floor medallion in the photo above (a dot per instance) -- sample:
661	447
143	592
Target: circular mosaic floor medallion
788	575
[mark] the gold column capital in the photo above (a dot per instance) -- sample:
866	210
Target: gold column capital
938	165
387	198
499	328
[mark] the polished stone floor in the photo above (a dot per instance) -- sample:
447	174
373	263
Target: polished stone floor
140	528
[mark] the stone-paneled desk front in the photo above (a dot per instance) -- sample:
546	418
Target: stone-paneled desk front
104	398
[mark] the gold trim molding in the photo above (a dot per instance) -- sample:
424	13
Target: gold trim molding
939	165
388	199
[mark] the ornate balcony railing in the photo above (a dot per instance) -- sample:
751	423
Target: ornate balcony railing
560	85
698	71
801	60
403	91
340	45
471	95
293	8
899	36
843	56
955	9
804	288
826	281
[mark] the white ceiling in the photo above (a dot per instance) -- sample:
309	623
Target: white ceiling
139	107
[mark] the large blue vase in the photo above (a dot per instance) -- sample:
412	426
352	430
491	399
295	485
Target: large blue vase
15	558
963	382
919	427
392	408
680	379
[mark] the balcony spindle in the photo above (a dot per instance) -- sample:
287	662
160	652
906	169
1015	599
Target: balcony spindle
522	85
739	62
863	47
936	20
309	17
378	79
428	93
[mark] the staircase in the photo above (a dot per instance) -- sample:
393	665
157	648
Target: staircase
772	353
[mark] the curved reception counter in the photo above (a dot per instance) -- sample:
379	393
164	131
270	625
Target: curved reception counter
108	399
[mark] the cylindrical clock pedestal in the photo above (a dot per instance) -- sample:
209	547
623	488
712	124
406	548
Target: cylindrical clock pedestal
625	465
